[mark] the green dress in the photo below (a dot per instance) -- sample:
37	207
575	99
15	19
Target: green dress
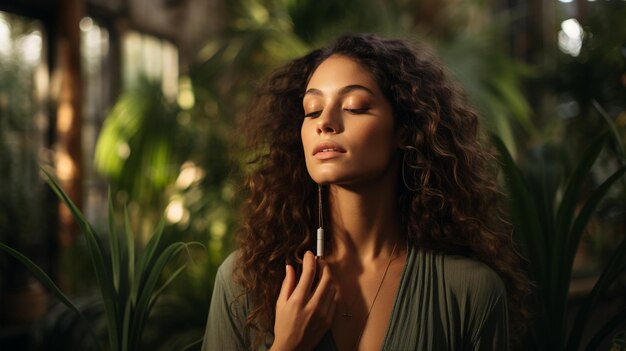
444	302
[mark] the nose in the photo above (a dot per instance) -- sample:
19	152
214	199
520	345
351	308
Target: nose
329	122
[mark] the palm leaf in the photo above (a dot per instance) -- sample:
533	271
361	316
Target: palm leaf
98	254
583	218
559	283
609	121
146	291
147	257
615	267
173	277
525	217
129	289
566	210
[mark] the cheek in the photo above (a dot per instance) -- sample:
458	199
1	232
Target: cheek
304	136
376	139
308	138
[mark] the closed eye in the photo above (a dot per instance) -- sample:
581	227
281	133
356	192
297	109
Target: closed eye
357	111
313	114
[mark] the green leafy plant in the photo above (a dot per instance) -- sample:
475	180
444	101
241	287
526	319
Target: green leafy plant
142	144
549	227
129	282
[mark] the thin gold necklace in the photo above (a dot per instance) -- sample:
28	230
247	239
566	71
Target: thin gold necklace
382	280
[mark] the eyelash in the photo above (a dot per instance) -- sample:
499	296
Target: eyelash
355	111
358	111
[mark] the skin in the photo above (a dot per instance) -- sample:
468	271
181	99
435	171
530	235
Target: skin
346	111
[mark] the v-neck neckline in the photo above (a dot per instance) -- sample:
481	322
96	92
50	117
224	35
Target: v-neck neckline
394	310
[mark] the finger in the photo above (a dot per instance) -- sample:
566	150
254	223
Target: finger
324	286
327	296
288	284
308	274
332	306
328	300
328	304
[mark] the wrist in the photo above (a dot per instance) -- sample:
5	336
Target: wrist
276	347
281	345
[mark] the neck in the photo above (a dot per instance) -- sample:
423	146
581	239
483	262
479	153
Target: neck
365	221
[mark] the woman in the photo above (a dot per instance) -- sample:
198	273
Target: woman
368	139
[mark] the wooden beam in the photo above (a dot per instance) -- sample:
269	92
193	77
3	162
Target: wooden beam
68	146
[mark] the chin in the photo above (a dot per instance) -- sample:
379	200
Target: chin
327	178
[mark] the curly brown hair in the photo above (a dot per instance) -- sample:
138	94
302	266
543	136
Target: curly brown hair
450	198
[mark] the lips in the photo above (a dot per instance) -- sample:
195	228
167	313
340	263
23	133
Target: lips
328	149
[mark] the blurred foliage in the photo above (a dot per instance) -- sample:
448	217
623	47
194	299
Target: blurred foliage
561	210
141	144
129	280
575	97
595	72
596	77
550	211
62	330
20	185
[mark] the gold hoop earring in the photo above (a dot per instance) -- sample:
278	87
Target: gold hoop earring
406	150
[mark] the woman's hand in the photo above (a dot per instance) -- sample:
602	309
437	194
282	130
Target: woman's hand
304	311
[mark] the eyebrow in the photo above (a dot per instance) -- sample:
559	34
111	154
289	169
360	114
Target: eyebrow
343	91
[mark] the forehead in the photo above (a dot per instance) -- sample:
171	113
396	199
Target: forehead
339	71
